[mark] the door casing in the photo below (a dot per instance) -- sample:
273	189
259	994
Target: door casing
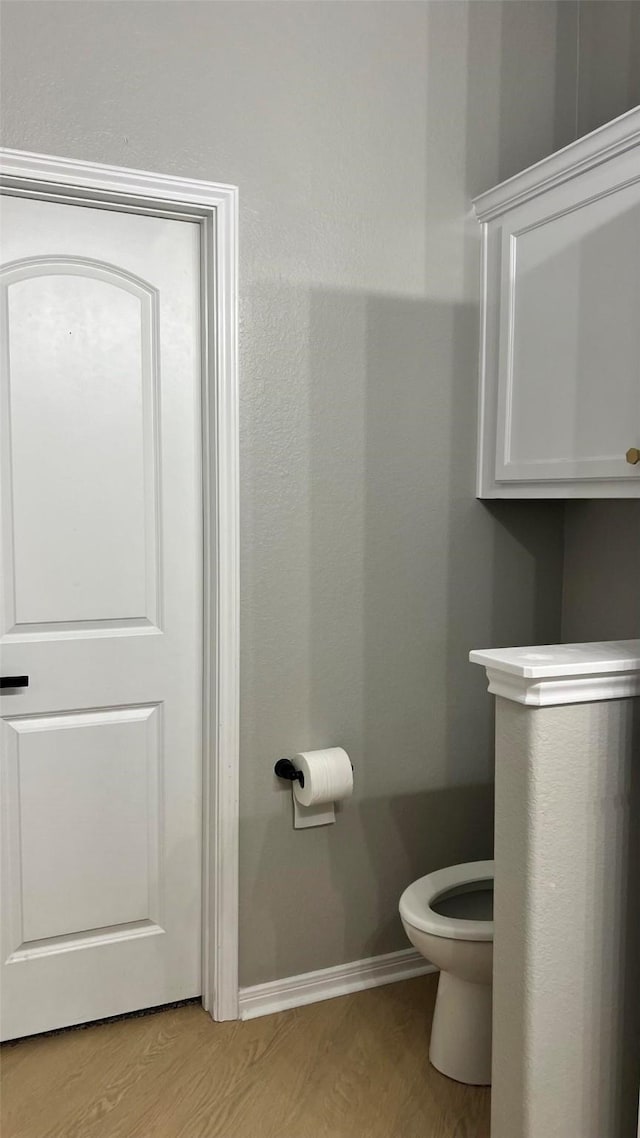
215	208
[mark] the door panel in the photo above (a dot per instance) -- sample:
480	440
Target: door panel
101	608
86	797
83	397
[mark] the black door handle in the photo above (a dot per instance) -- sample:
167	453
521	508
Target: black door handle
14	681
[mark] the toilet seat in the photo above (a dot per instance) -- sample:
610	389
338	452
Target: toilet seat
417	899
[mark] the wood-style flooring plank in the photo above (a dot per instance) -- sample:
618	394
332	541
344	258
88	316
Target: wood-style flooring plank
354	1067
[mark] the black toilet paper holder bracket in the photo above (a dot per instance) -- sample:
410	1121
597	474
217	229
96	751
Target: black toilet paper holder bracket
284	768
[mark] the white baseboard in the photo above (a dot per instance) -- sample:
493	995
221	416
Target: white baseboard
324	984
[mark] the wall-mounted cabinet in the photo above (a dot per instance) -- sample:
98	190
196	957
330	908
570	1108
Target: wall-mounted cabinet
560	355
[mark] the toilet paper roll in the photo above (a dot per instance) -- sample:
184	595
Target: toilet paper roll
328	776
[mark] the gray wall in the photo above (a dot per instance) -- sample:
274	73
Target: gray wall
357	134
601	594
609	60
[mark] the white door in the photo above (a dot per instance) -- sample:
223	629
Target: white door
101	610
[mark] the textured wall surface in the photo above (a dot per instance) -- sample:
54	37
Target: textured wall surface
357	134
609	60
567	948
601	596
601	593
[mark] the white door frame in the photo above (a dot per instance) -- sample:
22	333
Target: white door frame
215	208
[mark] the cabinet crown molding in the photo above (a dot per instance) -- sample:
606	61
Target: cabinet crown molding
601	145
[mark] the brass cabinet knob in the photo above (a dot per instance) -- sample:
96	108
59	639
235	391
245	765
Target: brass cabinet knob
633	455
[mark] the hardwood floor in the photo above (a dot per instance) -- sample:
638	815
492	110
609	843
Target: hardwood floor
354	1067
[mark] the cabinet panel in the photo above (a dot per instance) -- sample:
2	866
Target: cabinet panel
560	353
569	367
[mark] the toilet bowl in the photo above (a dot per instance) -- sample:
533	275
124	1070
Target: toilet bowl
448	917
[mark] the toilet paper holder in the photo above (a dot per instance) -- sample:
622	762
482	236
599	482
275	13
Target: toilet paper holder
284	768
314	814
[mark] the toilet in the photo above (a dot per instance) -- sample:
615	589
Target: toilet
448	917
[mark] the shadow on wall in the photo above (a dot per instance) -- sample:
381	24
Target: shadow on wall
406	573
363	862
406	836
393	570
529	110
602	570
609	61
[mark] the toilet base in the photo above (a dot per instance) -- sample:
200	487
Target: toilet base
461	1032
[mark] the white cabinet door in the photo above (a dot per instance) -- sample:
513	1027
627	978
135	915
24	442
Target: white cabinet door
101	609
569	340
